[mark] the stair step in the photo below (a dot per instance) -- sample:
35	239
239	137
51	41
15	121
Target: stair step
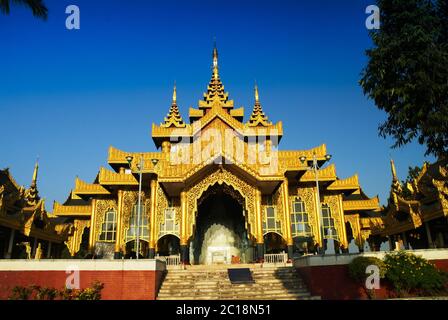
202	283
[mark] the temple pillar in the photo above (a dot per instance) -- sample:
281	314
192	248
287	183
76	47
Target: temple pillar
49	250
185	256
34	247
405	240
428	234
344	241
92	228
118	254
152	219
287	219
10	244
259	228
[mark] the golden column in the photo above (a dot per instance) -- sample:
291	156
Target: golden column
152	220
341	218
259	227
286	211
92	228
183	227
118	238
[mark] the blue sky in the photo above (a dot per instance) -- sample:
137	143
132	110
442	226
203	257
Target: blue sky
67	95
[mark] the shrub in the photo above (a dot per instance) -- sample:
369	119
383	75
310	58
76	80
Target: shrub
410	273
357	271
43	293
20	293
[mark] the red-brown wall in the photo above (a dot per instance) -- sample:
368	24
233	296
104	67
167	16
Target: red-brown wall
118	284
333	282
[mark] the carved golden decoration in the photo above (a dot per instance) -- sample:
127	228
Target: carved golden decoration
308	196
333	203
74	241
221	176
353	220
162	204
101	207
130	199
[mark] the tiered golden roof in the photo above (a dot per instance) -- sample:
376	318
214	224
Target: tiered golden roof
258	118
173	118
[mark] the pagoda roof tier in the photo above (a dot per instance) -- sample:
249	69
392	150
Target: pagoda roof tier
362	205
326	174
160	134
83	188
72	210
117	157
349	184
110	178
290	159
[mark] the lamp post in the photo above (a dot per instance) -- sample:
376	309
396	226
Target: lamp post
140	171
315	168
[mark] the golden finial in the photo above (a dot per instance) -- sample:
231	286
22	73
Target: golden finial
215	54
257	98
394	171
36	169
174	93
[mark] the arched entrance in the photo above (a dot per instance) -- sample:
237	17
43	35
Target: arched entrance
168	245
220	234
274	243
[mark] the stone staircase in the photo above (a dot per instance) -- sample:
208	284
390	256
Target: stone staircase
212	283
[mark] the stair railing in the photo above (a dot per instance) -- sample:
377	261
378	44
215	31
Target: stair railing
276	258
172	261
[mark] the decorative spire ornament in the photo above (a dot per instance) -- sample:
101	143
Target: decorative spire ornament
258	118
173	118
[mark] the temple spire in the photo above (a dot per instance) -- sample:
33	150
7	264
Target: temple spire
258	117
173	118
35	172
32	194
215	62
257	97
174	94
393	170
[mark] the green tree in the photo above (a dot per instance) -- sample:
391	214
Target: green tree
37	6
407	72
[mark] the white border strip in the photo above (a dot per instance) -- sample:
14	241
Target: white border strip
82	265
342	259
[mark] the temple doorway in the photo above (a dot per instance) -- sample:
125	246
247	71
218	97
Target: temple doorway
168	245
220	234
274	243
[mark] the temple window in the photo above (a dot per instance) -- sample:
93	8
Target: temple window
143	224
109	227
169	226
271	223
328	223
299	219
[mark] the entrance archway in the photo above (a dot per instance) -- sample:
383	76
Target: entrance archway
220	235
168	245
274	243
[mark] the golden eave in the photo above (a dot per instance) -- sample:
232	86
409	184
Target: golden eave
107	177
71	211
361	205
326	174
84	188
118	157
237	113
289	159
195	113
350	183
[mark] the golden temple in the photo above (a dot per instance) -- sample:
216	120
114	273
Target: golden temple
219	189
216	156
